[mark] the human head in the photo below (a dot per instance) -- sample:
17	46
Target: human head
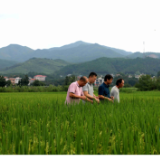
108	79
92	77
82	81
120	83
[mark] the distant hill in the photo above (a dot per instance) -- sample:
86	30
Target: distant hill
15	52
81	53
113	65
75	52
47	66
72	45
120	51
141	55
6	63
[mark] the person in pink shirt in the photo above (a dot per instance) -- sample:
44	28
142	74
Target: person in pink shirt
75	92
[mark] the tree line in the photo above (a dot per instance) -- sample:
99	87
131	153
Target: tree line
23	82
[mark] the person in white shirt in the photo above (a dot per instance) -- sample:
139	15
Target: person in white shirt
115	89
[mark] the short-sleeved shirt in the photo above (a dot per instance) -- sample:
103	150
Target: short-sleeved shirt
104	90
77	90
89	88
115	93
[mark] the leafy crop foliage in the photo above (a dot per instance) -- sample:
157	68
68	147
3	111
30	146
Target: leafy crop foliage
49	88
40	123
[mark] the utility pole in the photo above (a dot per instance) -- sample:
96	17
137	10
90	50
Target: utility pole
144	49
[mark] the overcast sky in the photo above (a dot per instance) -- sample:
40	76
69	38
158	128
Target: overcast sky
122	24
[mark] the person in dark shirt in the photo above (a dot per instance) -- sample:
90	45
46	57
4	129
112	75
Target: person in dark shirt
103	90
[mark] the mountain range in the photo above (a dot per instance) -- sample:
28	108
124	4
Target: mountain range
76	58
75	53
100	66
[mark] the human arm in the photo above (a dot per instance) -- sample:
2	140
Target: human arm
72	95
101	92
89	97
86	97
112	97
106	98
96	98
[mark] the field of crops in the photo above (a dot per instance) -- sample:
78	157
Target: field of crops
40	123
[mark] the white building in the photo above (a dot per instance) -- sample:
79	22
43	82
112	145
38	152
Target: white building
40	77
17	79
69	75
112	75
117	75
6	78
99	81
138	76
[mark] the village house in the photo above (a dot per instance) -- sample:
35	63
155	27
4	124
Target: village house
31	80
6	78
12	80
138	76
17	79
153	78
117	75
69	75
40	77
129	76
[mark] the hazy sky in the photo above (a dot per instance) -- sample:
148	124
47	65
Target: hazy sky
122	24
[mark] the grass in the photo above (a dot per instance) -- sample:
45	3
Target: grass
40	123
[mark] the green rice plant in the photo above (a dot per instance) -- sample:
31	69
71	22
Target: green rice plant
40	123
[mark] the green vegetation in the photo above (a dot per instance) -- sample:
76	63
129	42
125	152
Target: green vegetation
2	81
46	66
24	81
146	83
69	79
38	83
35	88
129	82
6	63
114	65
158	74
40	123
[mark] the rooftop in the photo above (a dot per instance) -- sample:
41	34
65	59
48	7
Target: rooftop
39	76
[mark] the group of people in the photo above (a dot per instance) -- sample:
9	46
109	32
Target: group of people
83	90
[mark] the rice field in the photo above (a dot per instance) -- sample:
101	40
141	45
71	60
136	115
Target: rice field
40	123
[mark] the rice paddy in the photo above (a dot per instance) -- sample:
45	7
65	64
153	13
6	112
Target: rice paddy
40	123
